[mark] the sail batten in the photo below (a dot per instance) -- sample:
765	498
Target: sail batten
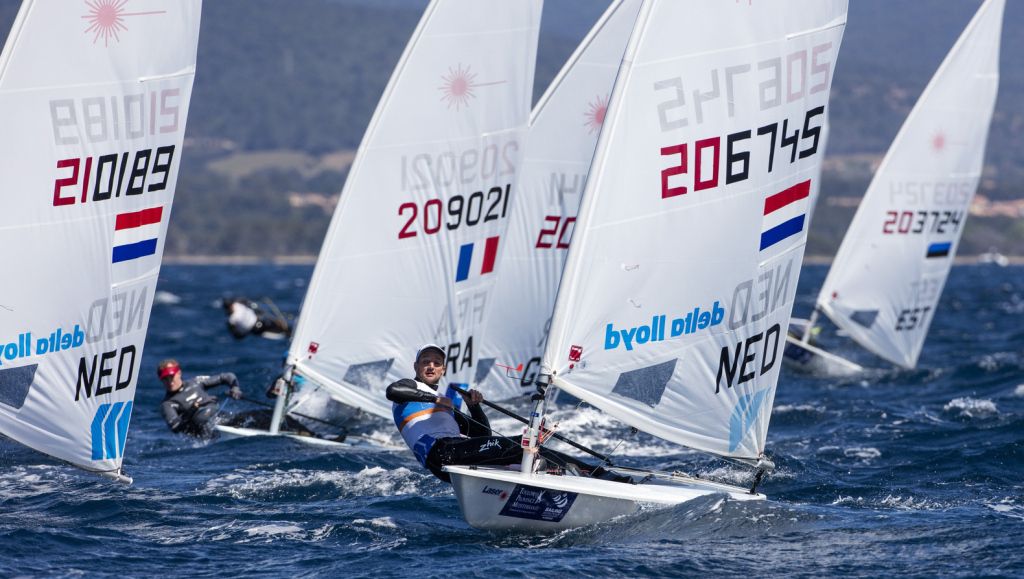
884	284
681	275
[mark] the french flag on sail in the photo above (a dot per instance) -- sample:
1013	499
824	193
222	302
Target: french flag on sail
483	262
136	234
784	214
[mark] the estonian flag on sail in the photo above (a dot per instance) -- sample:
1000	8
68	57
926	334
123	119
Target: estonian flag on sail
136	234
784	214
938	250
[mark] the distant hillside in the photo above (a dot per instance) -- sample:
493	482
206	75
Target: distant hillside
305	76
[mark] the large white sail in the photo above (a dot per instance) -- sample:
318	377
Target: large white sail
884	285
93	102
563	132
679	283
410	253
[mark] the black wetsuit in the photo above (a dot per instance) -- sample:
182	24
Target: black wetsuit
192	410
476	446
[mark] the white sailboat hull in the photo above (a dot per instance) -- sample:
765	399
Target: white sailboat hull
229	432
813	360
501	500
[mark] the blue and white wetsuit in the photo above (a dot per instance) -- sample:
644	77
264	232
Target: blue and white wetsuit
420	420
423	423
439	437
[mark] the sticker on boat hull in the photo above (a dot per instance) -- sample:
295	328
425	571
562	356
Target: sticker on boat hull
527	502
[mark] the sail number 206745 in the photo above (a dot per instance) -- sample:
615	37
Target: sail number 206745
802	142
461	211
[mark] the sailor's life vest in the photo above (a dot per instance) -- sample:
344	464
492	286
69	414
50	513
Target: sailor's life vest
422	423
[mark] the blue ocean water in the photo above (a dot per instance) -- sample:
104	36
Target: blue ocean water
918	472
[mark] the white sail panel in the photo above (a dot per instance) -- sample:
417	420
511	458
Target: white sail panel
884	285
93	101
560	144
679	282
410	254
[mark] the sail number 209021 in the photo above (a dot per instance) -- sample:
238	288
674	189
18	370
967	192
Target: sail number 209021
462	211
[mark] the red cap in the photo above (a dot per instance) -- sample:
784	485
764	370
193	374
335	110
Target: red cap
168	371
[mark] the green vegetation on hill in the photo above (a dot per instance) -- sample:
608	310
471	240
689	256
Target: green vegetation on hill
305	76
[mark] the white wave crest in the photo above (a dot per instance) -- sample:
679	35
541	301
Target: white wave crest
24	481
787	408
1008	507
845	500
998	360
1019	390
273	530
971	407
165	298
381	522
910	503
371	481
863	453
902	503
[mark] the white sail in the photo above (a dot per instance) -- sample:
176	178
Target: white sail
884	285
409	255
93	102
679	283
563	132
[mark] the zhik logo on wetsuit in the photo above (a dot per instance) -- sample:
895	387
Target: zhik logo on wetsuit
489	445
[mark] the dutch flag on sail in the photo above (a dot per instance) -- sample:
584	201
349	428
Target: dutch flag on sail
136	234
484	263
784	214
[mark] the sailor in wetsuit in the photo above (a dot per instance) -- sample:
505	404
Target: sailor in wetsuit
245	317
187	407
439	436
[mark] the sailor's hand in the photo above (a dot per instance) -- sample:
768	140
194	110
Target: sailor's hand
443	401
235	392
475	397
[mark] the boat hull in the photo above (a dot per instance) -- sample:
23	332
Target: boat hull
229	432
501	500
813	360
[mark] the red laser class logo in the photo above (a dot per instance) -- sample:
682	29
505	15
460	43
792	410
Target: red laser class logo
939	142
106	19
595	113
458	86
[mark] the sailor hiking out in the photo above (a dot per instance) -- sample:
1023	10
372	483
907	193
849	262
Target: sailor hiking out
188	407
439	434
246	317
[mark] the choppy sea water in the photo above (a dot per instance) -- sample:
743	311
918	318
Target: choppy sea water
918	472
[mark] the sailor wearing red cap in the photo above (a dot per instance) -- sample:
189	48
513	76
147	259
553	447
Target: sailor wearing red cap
187	407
